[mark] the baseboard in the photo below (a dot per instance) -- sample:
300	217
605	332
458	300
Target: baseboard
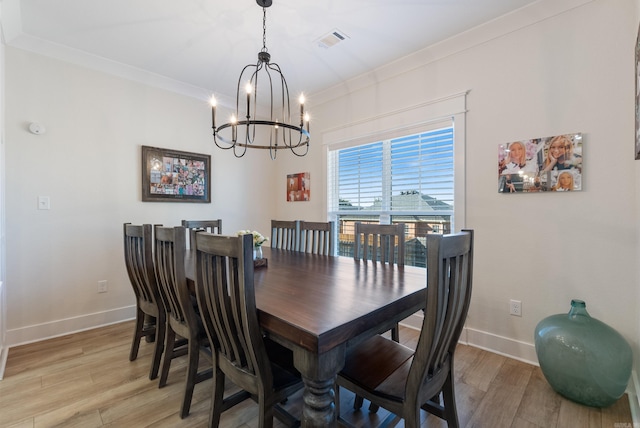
414	321
518	350
511	348
4	353
38	332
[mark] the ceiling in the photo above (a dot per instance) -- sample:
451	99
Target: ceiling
205	43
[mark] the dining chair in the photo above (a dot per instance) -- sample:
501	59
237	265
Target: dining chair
226	296
402	380
285	234
183	319
317	237
194	226
383	242
138	257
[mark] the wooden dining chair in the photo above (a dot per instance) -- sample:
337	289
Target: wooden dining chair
285	234
226	296
402	380
183	319
380	242
195	226
317	237
138	258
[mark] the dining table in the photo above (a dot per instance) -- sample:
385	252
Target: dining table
318	306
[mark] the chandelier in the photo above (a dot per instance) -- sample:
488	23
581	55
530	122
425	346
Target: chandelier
275	130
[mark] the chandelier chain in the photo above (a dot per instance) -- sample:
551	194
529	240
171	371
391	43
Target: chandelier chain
264	29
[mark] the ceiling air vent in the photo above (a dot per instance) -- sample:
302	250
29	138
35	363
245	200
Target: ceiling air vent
331	39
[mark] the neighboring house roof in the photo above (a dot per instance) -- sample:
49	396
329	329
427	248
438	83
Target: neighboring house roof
413	201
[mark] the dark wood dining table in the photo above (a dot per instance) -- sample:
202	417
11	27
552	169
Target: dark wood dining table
317	306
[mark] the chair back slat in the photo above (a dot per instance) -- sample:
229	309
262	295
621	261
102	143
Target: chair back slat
449	283
169	255
138	256
195	226
226	295
380	242
285	234
317	237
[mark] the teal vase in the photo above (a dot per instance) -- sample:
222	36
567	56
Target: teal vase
582	358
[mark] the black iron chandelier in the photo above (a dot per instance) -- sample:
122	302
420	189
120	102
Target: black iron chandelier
276	126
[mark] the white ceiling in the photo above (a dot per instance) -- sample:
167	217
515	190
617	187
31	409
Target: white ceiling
206	43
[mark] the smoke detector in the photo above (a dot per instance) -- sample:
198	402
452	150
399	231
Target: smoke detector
36	128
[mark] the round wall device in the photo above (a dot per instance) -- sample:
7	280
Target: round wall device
36	128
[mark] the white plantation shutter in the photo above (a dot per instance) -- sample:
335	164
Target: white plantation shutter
410	175
360	174
423	163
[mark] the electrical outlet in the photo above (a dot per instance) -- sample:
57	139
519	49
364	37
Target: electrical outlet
102	286
515	308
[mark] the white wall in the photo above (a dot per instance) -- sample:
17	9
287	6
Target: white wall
560	66
557	67
88	163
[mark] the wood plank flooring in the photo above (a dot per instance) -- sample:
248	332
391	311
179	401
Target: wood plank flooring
86	380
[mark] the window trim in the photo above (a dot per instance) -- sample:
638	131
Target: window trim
445	111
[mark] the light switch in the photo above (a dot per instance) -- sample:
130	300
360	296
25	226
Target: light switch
44	203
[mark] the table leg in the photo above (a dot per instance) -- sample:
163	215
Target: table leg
319	373
318	409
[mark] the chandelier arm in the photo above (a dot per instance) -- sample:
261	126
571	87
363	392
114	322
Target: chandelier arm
285	102
293	150
254	81
231	145
235	152
257	68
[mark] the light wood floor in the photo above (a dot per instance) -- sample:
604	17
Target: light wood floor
86	380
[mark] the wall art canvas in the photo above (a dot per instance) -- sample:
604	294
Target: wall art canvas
298	187
175	176
549	164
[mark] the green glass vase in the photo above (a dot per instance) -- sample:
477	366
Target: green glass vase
583	358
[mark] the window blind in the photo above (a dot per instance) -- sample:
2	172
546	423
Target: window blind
408	175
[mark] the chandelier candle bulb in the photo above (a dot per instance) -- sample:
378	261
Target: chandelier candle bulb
248	89
301	109
233	128
213	113
276	129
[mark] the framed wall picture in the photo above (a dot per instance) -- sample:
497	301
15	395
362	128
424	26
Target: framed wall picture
549	164
175	176
298	187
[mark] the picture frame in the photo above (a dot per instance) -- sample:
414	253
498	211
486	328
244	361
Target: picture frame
538	165
175	176
298	187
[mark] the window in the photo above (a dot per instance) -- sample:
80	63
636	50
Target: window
408	180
